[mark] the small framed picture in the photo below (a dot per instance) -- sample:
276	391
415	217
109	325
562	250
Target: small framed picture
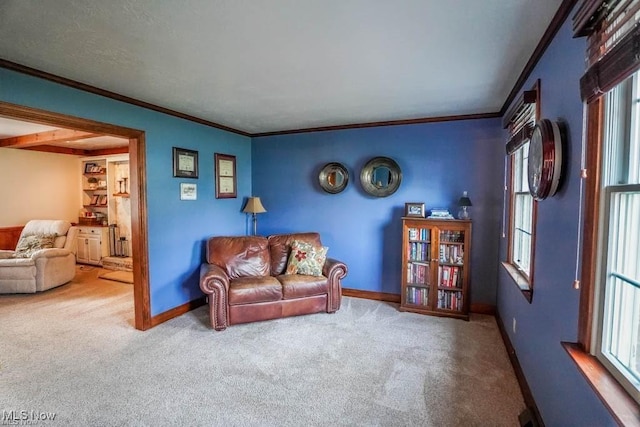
94	200
414	210
103	200
89	167
188	191
185	163
226	181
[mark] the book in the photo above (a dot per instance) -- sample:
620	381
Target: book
440	213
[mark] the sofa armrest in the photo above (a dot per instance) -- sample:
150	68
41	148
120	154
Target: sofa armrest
212	278
215	283
50	253
334	271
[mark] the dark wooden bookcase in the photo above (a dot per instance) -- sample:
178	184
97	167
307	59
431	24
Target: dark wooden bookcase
435	266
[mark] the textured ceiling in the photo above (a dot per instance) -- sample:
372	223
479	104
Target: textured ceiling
261	66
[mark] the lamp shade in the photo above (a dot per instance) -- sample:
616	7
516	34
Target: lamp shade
254	206
464	200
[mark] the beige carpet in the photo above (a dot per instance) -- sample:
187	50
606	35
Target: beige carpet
73	351
118	276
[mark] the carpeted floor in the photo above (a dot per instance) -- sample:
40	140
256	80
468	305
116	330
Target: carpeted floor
73	351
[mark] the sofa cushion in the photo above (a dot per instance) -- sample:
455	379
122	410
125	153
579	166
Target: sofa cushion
249	290
246	256
27	245
280	247
306	258
300	285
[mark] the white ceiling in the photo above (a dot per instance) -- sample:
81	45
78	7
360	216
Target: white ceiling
261	66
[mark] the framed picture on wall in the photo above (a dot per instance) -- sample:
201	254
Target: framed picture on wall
226	182
188	191
185	163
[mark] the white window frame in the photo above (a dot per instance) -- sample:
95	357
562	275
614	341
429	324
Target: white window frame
520	252
522	216
617	294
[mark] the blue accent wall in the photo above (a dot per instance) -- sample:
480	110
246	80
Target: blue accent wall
177	229
438	161
561	393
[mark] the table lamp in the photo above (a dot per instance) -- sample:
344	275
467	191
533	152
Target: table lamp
464	204
254	206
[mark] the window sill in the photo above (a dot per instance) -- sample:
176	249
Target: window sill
520	281
623	408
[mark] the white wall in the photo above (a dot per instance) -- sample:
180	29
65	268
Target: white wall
36	185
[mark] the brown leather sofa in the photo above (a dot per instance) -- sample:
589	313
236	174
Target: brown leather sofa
245	282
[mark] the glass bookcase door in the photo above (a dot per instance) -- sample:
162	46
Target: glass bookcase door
451	270
419	276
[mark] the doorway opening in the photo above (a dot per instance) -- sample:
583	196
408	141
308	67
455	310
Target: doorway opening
136	191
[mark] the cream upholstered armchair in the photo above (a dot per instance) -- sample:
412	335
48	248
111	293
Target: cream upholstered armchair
44	258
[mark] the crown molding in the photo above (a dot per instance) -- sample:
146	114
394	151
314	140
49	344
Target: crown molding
385	123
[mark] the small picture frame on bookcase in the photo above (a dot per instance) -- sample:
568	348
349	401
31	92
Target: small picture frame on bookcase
89	168
414	209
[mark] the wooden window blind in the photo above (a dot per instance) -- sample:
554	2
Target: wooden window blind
520	120
613	43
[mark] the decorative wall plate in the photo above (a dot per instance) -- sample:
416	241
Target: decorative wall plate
545	159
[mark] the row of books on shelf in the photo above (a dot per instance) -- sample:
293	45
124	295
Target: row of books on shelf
450	300
418	273
419	251
419	234
452	236
450	276
451	253
417	296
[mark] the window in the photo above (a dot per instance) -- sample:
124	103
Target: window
521	232
522	207
617	283
609	299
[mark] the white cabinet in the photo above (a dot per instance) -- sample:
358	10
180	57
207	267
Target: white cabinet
93	244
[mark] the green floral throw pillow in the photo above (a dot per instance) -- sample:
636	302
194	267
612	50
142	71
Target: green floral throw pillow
306	259
27	245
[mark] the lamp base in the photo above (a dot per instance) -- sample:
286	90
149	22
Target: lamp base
464	213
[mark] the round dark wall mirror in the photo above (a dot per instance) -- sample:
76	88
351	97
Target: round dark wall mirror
381	176
333	177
